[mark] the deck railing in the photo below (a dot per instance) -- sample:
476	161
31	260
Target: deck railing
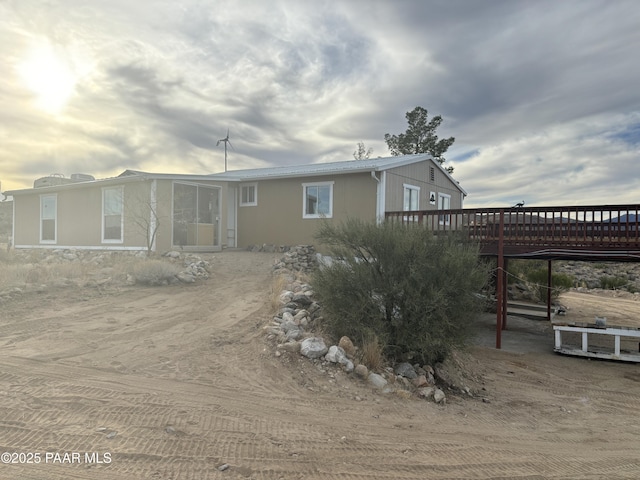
609	227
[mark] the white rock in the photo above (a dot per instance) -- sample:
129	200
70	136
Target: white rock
348	367
286	296
376	380
439	396
288	325
294	334
426	392
186	277
287	317
336	355
313	347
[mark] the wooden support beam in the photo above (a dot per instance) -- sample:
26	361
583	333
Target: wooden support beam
505	292
549	286
500	310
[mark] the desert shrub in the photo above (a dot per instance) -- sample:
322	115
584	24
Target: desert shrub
560	282
411	290
278	284
154	272
613	282
372	353
19	274
520	270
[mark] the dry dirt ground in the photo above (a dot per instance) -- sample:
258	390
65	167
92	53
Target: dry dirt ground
173	382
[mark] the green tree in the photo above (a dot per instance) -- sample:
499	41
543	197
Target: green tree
420	137
362	153
403	285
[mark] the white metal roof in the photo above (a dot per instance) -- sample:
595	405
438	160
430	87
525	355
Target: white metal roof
331	168
312	169
270	173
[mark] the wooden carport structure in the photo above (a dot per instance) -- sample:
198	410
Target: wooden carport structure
609	233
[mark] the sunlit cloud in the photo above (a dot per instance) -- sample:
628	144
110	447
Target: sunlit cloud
541	96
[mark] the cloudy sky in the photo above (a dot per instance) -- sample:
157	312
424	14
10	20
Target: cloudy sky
543	97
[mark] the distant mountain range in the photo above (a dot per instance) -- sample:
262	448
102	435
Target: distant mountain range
631	218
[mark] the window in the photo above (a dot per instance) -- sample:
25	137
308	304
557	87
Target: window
411	198
317	200
249	195
48	215
112	214
196	215
444	203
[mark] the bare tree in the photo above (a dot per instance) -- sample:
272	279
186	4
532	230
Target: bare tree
142	213
361	153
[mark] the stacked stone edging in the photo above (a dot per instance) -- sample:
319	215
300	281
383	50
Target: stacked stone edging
301	258
292	330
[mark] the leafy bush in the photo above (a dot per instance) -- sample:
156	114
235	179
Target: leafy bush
560	282
521	269
613	283
411	290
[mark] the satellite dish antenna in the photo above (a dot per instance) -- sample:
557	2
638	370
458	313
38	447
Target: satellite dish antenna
225	140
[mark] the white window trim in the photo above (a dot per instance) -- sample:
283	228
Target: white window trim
55	220
444	219
255	195
113	240
304	200
407	186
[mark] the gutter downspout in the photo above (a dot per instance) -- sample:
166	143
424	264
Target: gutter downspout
380	199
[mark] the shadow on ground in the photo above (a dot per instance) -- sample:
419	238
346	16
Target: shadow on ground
522	335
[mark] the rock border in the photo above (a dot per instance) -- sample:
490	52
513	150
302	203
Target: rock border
293	329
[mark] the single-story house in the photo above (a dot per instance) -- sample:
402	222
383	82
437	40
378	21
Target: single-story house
279	205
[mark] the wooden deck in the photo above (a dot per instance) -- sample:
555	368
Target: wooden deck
609	233
604	233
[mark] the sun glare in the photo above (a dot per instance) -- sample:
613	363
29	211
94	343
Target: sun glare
49	77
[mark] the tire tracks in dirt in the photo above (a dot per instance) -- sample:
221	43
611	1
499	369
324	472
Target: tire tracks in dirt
188	382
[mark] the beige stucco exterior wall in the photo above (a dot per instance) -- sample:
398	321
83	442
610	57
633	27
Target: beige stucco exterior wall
278	217
79	215
418	175
81	226
26	226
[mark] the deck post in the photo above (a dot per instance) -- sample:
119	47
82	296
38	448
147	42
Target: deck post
505	291
549	280
500	281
